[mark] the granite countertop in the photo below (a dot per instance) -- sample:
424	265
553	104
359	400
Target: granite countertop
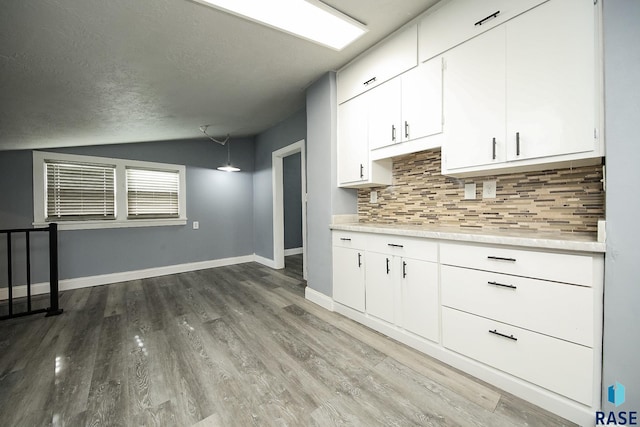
532	239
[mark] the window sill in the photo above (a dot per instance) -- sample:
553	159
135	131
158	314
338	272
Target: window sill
94	225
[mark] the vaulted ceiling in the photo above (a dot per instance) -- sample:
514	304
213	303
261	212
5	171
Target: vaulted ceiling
85	72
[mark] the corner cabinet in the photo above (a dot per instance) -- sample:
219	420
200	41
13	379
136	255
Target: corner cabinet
490	310
523	95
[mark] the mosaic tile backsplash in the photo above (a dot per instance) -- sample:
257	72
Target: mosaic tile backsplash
561	200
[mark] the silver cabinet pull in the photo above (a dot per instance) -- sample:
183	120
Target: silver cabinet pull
406	129
393	133
346	239
388	269
404	269
359	259
361	171
517	143
494	148
393	245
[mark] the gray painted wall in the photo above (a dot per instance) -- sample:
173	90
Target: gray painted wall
324	199
284	133
220	201
292	200
622	270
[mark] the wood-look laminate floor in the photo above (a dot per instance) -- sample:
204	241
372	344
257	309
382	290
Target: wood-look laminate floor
231	346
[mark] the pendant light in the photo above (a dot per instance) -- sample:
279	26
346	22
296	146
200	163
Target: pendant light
227	167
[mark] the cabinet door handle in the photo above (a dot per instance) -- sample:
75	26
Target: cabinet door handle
361	171
388	270
499	258
517	143
368	82
346	239
393	245
482	21
404	269
494	148
359	259
393	133
502	285
406	129
495	332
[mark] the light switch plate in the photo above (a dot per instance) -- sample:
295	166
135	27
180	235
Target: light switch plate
489	190
470	191
373	197
196	225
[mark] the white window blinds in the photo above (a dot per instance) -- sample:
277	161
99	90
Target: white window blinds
152	193
77	191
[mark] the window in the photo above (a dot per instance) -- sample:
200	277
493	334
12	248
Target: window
77	191
152	193
83	192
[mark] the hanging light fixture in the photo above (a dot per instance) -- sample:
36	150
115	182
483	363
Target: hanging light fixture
226	167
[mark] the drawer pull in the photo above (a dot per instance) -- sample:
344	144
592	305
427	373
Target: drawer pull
495	332
502	285
393	245
499	258
346	239
388	270
359	260
482	21
368	82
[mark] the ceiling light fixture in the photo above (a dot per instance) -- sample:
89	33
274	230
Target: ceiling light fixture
227	167
309	19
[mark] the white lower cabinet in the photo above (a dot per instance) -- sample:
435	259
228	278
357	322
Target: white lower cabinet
554	364
526	320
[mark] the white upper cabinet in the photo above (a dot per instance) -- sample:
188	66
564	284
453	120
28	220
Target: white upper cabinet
392	57
522	96
474	96
355	168
407	107
551	80
452	22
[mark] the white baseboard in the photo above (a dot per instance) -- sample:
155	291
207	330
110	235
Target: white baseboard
318	298
292	251
264	261
104	279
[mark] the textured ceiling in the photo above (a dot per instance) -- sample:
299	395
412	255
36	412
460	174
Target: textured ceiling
85	72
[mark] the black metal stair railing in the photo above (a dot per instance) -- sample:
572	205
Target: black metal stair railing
54	308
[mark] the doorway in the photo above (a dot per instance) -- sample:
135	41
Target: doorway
278	203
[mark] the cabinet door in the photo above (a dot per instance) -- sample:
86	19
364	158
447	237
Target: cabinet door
420	298
422	100
474	102
384	115
551	80
353	150
348	277
379	286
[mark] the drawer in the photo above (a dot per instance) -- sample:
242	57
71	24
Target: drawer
567	268
453	22
391	58
408	247
555	309
349	239
562	367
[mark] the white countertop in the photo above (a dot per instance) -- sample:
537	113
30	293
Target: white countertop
533	239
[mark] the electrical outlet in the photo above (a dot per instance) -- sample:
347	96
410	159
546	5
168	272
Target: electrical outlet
196	225
373	197
470	191
489	190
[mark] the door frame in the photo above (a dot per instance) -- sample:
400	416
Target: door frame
278	202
